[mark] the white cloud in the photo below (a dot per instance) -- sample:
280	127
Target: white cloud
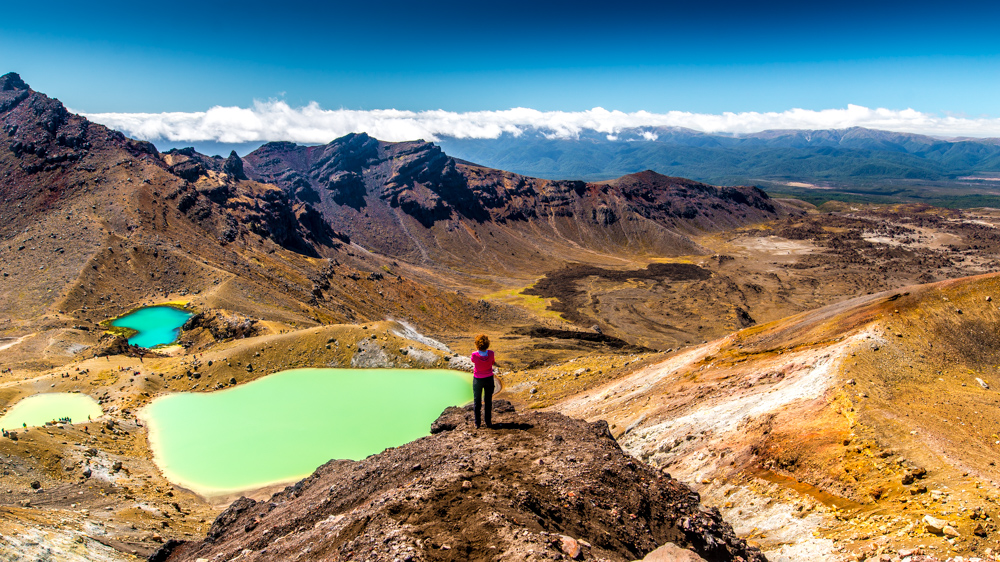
276	120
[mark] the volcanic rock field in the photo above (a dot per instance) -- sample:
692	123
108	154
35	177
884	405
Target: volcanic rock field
688	371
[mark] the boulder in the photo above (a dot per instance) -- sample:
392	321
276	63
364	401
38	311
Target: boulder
570	547
934	525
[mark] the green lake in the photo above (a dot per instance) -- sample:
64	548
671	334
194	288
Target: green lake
40	408
155	325
280	428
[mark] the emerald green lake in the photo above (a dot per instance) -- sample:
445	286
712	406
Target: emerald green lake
40	408
156	325
282	427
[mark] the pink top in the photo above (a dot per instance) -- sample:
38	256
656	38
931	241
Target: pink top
482	366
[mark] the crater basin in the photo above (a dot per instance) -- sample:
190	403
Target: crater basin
281	427
154	325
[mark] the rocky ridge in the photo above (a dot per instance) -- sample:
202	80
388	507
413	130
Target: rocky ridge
538	486
115	224
412	201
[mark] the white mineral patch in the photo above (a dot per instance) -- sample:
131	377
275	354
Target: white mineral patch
803	381
692	439
779	522
460	363
408	331
33	543
419	356
370	355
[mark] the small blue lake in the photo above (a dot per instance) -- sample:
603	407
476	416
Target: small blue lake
155	325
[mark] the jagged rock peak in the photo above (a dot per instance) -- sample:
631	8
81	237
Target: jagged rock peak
234	166
12	81
362	136
278	145
186	151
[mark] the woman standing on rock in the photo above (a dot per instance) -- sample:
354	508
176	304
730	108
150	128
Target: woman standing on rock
482	377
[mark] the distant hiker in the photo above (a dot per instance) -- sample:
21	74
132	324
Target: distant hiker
482	377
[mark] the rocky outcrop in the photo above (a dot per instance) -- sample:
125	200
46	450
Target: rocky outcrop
409	199
538	486
234	167
223	324
44	136
39	130
111	344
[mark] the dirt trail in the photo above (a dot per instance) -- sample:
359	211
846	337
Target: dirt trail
5	344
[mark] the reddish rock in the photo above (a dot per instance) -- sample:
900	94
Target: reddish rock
570	547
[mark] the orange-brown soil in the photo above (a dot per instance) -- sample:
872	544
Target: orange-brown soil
801	427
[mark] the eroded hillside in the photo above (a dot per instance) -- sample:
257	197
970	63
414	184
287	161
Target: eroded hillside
833	431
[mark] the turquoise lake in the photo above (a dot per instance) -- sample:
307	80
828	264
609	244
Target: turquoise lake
40	408
280	428
156	325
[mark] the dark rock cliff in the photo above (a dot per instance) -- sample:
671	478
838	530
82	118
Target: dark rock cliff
539	486
413	201
53	156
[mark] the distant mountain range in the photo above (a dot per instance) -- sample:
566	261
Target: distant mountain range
854	164
866	163
852	156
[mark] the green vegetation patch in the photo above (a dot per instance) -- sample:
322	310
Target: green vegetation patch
536	304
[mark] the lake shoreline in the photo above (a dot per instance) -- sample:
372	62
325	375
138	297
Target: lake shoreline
181	439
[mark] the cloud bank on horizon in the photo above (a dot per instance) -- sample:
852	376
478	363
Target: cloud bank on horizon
275	120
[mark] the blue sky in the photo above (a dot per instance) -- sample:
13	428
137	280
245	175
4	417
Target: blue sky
703	57
711	57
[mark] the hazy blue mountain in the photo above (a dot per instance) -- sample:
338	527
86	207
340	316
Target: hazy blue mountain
841	157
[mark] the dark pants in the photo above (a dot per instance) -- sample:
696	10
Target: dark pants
479	387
